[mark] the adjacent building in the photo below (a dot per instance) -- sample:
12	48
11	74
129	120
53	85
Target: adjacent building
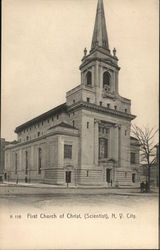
86	140
154	170
3	144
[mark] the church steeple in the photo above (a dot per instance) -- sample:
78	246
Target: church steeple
100	38
99	68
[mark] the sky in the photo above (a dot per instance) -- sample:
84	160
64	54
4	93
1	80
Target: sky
42	48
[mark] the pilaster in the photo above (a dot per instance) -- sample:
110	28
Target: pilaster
116	82
47	149
32	158
119	145
96	142
97	82
20	160
93	78
60	152
116	143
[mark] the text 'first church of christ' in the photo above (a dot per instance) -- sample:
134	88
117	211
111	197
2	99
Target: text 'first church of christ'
86	140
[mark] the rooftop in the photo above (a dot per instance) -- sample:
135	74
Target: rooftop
64	125
59	109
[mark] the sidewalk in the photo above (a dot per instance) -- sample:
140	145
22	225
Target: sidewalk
53	186
10	188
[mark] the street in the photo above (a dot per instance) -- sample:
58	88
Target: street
43	197
45	215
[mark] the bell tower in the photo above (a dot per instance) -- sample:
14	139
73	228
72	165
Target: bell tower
99	68
102	116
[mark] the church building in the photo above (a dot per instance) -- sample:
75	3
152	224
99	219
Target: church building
86	140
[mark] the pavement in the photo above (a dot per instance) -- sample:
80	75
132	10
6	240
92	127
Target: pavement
10	188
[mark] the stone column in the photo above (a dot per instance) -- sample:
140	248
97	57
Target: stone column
116	151
100	77
20	160
6	160
47	154
110	142
116	82
96	142
119	145
113	82
20	167
114	142
96	82
32	166
82	80
10	162
93	78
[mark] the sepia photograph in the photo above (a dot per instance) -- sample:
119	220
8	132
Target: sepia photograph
79	155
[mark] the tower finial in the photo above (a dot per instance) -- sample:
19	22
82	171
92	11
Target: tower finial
114	52
85	52
100	37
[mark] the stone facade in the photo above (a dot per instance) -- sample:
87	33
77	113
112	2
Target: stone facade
85	141
3	144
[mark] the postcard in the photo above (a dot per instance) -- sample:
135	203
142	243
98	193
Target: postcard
79	140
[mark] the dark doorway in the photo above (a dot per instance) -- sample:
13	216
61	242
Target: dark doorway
133	178
5	176
108	175
68	176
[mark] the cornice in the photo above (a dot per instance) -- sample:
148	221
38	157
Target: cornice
89	60
100	109
42	138
102	51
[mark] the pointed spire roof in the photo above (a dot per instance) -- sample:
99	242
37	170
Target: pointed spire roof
100	37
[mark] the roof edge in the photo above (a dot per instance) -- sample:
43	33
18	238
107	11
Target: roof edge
57	109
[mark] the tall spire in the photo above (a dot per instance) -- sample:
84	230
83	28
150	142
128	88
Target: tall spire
100	37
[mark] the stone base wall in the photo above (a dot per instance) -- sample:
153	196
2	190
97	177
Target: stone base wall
123	178
21	176
54	176
90	177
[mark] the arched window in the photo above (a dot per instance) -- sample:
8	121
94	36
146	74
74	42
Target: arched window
106	81
89	78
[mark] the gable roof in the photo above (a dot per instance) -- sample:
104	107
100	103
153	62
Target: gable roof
64	125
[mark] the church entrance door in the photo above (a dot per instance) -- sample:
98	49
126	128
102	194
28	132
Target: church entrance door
68	177
108	175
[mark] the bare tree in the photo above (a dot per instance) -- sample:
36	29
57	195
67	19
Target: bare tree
146	138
